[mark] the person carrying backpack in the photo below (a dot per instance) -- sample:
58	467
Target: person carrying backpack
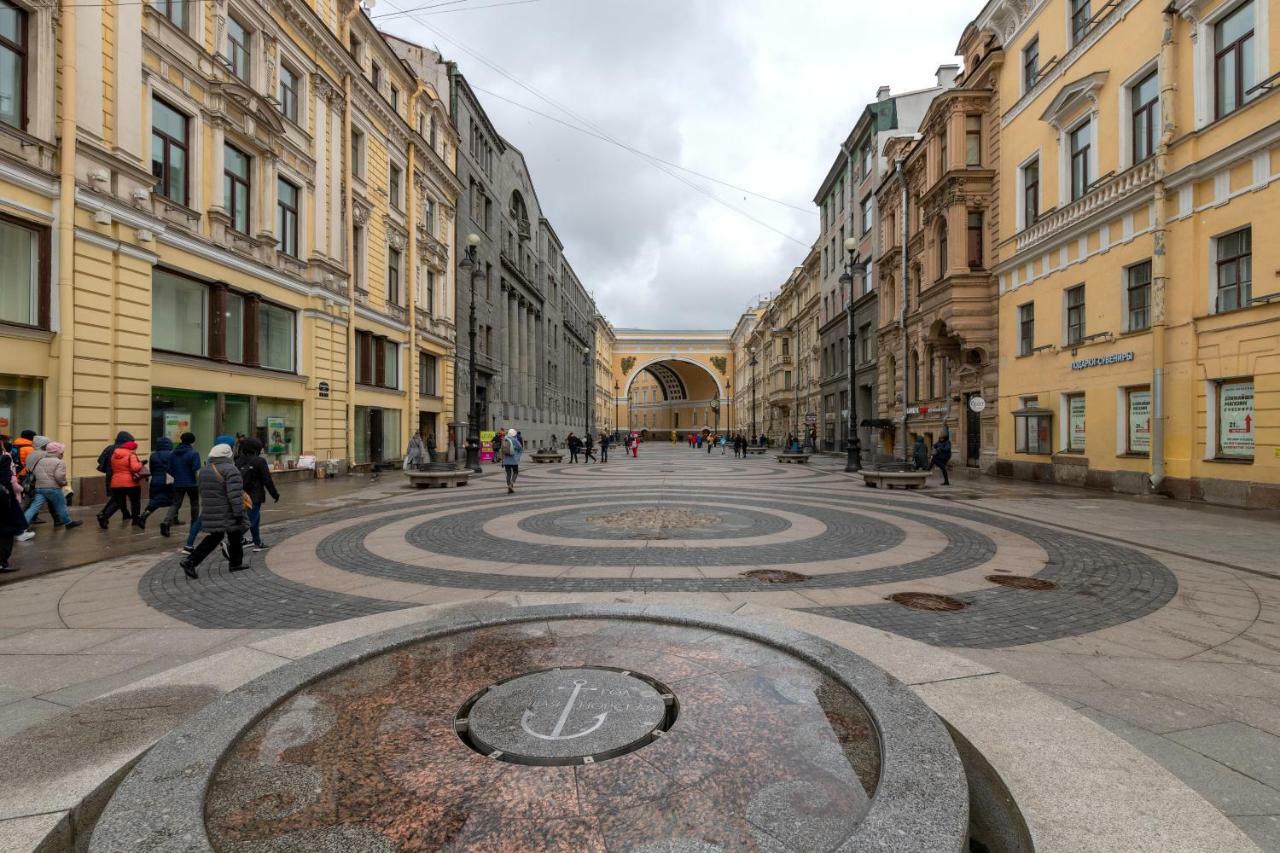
48	476
104	458
255	477
511	450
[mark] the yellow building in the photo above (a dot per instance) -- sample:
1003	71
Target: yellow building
608	403
788	345
1139	306
179	186
746	373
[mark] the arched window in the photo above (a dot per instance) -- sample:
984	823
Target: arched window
942	248
915	376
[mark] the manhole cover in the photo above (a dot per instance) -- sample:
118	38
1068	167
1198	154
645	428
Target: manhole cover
1019	582
562	716
927	601
775	576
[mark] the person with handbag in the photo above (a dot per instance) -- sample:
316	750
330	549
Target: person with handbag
48	478
255	479
160	484
223	511
127	472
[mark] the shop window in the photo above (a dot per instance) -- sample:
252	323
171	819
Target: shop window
237	56
428	375
1081	141
235	187
24	275
1081	16
1030	64
1032	428
1144	99
169	151
1075	418
1137	292
288	93
179	314
278	425
1234	419
1074	298
973	140
21	404
233	310
277	331
286	217
1137	406
13	65
1234	65
1234	253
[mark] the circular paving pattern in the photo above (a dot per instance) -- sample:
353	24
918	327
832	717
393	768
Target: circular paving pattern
356	748
685	525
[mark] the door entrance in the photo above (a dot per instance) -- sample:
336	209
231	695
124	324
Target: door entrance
374	437
972	433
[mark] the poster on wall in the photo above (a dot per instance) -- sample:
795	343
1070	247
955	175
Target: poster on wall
486	446
175	424
1139	421
1235	419
6	420
1075	423
275	435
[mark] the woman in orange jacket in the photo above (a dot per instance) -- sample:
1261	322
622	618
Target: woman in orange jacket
125	484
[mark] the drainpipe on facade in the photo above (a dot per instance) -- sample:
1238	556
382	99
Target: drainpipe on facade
1159	255
459	450
901	165
67	236
347	212
411	274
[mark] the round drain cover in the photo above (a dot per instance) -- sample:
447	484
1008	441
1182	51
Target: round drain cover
576	715
775	576
927	601
1021	582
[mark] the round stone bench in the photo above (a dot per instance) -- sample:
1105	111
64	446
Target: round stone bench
546	456
438	479
889	479
798	458
757	449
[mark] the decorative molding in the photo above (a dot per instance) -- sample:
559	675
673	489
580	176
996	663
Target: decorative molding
1073	99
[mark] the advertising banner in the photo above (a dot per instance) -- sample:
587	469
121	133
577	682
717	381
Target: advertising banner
1075	423
275	435
175	424
486	446
1139	421
1235	419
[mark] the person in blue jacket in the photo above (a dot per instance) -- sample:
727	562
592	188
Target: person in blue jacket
159	485
184	465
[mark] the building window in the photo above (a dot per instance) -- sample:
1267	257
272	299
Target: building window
377	360
1081	141
357	153
430	299
944	163
179	314
238	48
357	258
233	311
1235	270
24	275
973	140
1081	14
434	133
393	275
1234	420
174	10
393	181
428	382
395	99
975	239
1138	296
1137	441
375	76
864	343
1075	314
288	93
1233	59
868	159
169	151
1032	428
286	217
13	65
1145	100
276	337
942	250
868	213
353	48
235	187
1031	192
1075	414
1030	64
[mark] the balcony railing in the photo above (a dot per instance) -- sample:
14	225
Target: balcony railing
1106	194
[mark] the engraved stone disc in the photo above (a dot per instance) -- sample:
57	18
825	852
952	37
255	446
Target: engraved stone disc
577	715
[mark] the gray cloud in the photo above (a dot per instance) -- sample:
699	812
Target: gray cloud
753	92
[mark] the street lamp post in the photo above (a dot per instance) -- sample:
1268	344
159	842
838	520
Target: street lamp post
586	390
853	445
753	363
615	408
469	265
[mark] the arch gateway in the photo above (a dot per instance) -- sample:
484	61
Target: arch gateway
667	381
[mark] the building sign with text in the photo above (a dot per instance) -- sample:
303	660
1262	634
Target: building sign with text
1235	419
1114	358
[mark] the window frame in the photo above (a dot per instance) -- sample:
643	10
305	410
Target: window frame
1143	287
166	9
237	51
169	142
287	218
1218	387
944	246
43	237
975	237
1031	64
394	278
357	144
1030	192
1242	74
228	192
973	141
290	96
1079	16
395	179
1150	110
428	374
1074	316
260	330
1083	154
1126	396
22	51
868	213
1026	328
1068	417
1242	286
1023	431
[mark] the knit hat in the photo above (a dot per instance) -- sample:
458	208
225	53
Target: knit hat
187	438
228	440
220	451
53	448
41	442
130	445
511	433
123	435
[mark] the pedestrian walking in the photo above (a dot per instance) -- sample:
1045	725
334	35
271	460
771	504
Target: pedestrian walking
605	441
575	445
26	478
184	466
159	481
724	440
13	524
196	526
588	450
48	478
635	445
257	483
920	454
512	447
22	446
941	456
104	458
223	515
126	485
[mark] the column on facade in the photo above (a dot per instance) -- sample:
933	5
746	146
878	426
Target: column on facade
504	352
218	163
522	329
510	392
531	362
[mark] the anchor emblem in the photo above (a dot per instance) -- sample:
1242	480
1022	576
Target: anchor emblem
564	717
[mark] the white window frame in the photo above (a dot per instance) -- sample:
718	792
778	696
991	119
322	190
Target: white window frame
252	47
1211	388
1202	62
1064	422
1066	291
1021	199
1126	111
1064	158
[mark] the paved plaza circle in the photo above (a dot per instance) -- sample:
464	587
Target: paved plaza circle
641	530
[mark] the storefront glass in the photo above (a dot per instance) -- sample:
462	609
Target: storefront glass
235	415
1139	420
174	412
279	428
377	435
21	404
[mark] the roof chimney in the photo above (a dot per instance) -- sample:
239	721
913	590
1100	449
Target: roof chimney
882	94
947	75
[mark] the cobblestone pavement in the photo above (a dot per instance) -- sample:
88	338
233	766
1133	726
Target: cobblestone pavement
1161	621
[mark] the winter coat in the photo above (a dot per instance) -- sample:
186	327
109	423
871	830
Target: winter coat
160	464
12	521
942	450
24	447
255	477
512	458
50	472
104	458
920	455
221	504
184	466
125	464
574	443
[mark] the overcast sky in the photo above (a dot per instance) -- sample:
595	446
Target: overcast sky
758	93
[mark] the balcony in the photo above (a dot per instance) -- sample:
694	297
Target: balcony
1104	195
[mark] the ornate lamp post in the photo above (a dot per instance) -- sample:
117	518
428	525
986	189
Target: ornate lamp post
753	363
468	265
586	389
615	408
853	445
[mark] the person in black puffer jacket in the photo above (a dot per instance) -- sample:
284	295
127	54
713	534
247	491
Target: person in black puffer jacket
222	512
256	474
159	482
